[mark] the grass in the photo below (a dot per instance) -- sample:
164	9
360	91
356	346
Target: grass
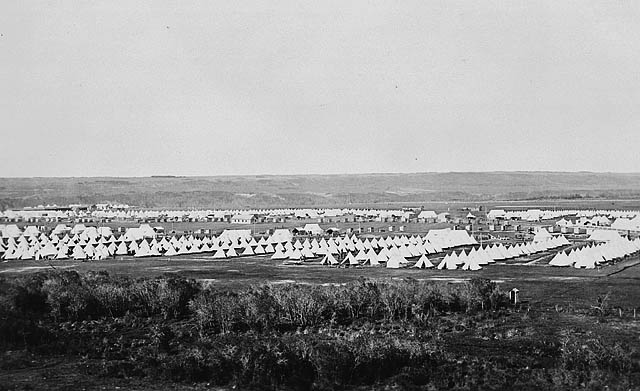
537	282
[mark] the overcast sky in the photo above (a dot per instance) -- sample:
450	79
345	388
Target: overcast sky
135	88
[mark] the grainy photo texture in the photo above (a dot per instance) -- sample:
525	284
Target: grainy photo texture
289	195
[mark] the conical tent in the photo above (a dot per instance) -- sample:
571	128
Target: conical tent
28	254
295	255
63	252
423	263
541	235
404	252
247	251
183	249
362	255
513	252
584	261
171	251
503	251
449	262
307	253
278	255
462	258
142	251
133	246
395	262
122	249
78	253
372	258
48	250
112	247
89	250
352	260
471	263
329	260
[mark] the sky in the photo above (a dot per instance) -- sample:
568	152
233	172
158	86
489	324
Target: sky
138	88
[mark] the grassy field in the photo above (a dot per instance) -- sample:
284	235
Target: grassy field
538	282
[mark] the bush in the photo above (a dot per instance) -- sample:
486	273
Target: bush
168	297
68	297
482	293
301	305
362	299
215	310
583	355
260	309
24	296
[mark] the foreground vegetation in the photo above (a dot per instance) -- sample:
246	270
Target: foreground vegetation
367	333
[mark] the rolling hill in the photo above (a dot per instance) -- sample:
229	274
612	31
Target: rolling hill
317	190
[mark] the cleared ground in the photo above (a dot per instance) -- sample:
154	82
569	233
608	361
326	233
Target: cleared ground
539	283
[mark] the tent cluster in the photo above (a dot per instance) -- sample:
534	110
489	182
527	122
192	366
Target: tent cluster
626	224
393	251
78	243
543	214
527	215
95	244
202	214
595	254
91	244
448	238
477	257
604	235
99	243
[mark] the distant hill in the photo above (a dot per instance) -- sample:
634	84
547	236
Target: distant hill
317	190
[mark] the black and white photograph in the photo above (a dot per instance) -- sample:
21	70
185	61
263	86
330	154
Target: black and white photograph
320	195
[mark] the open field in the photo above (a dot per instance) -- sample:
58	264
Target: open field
538	282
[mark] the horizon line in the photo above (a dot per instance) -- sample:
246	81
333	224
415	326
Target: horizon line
167	176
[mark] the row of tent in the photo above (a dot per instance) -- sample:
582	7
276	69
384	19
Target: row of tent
397	257
484	256
391	250
85	233
590	256
197	214
228	244
546	214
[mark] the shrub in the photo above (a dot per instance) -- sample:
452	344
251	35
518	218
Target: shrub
583	355
168	297
260	309
301	305
219	311
482	293
68	298
24	295
362	299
